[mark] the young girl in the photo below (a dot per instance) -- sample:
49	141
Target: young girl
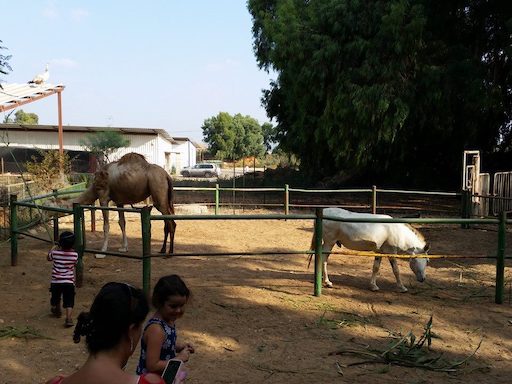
158	342
64	260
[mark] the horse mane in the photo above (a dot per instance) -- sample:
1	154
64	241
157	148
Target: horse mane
131	157
416	232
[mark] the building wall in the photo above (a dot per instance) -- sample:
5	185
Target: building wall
187	152
155	148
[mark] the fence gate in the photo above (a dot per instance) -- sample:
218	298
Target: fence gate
502	187
477	183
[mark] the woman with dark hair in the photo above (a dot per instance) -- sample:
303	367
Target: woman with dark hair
112	329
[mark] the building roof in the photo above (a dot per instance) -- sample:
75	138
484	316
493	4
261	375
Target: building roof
85	129
14	95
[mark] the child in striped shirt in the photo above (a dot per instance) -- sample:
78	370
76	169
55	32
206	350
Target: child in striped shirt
62	284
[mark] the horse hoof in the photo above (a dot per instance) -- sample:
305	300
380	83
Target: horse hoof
374	288
100	256
403	290
328	284
123	249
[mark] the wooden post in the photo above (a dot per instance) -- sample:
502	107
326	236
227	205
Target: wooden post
217	195
286	199
500	259
78	214
465	207
13	229
318	252
146	249
93	219
374	199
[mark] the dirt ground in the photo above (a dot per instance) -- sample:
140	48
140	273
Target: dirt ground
254	319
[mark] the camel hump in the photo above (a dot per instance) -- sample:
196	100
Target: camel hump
131	158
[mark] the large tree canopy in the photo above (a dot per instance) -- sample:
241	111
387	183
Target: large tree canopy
234	137
391	89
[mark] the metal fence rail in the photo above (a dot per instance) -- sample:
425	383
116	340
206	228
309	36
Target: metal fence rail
146	218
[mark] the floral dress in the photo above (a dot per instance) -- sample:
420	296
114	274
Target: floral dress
168	350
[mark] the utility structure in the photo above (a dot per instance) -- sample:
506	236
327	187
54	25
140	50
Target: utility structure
15	95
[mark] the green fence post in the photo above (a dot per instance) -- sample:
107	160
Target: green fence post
500	259
55	227
286	199
374	199
78	214
217	195
13	229
465	207
318	252
146	249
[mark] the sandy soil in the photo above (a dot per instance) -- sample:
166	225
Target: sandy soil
255	320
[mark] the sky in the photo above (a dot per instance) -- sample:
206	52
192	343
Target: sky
166	64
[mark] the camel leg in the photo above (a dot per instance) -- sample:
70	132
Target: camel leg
122	225
396	272
326	248
166	233
172	230
169	229
375	272
106	229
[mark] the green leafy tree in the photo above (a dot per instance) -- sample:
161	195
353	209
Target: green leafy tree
233	137
269	135
46	169
391	89
22	117
104	143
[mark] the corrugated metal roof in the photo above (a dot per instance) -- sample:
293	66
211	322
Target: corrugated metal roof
78	128
14	95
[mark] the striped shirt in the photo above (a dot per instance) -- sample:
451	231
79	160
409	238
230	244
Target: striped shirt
63	265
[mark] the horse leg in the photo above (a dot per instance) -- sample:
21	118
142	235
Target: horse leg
396	272
106	229
122	225
326	248
375	272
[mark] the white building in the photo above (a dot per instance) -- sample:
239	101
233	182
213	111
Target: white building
155	144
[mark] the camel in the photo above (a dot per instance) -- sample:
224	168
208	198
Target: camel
130	180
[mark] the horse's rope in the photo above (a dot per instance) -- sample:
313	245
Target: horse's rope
373	254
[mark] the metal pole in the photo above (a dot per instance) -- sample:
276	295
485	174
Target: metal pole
465	207
61	139
55	222
78	214
146	249
286	199
13	228
374	199
318	252
500	259
55	227
217	195
93	219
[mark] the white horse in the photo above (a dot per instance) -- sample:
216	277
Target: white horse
386	238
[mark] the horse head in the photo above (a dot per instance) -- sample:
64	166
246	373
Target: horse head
419	264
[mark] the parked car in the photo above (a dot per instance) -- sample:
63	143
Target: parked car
201	170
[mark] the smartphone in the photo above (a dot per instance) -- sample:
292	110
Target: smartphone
171	370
